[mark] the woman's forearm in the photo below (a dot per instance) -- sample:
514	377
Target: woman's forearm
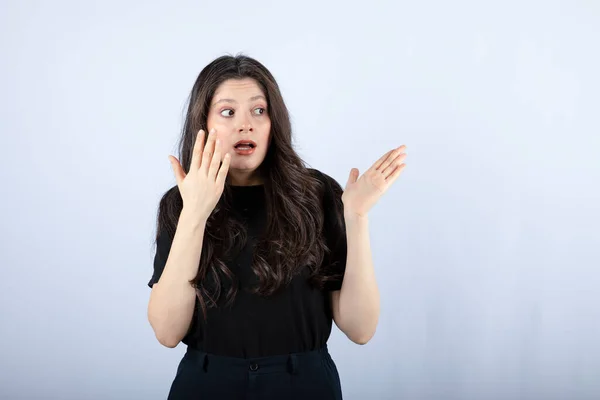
359	296
172	299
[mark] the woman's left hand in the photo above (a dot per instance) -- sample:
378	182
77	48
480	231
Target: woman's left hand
361	194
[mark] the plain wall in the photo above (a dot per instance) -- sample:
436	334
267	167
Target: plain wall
487	249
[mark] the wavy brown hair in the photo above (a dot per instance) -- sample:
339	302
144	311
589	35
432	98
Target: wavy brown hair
293	194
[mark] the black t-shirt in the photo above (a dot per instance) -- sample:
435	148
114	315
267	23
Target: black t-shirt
295	319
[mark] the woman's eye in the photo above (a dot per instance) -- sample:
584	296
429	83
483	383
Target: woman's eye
227	113
259	111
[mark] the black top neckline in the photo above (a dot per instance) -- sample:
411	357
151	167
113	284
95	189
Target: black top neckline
247	186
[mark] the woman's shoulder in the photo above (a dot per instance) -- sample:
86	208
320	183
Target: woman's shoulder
322	176
330	184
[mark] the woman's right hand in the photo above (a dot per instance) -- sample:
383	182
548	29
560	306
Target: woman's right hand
203	185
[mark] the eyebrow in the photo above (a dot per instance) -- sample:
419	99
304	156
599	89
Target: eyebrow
253	98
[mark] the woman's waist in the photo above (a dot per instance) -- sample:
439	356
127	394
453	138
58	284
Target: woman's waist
265	363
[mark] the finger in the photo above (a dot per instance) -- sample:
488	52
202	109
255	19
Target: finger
216	160
353	176
391	158
208	151
177	170
197	151
220	181
392	166
381	160
388	157
395	174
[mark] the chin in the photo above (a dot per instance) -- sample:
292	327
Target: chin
244	167
245	164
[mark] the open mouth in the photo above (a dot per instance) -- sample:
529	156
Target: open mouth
245	145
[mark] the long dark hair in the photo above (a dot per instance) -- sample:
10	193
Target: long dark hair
293	196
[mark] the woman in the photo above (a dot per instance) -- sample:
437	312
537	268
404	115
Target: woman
256	253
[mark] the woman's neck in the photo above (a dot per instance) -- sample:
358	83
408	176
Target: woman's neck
243	178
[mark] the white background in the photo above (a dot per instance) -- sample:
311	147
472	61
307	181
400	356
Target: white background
487	248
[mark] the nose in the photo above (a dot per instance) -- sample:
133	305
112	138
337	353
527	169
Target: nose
245	125
245	128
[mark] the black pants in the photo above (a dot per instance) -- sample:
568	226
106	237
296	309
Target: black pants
312	375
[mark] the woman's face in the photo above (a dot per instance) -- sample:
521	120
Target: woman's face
238	111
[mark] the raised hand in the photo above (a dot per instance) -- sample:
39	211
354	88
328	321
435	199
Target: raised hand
203	185
361	194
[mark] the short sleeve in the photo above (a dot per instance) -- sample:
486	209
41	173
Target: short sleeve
334	230
163	247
